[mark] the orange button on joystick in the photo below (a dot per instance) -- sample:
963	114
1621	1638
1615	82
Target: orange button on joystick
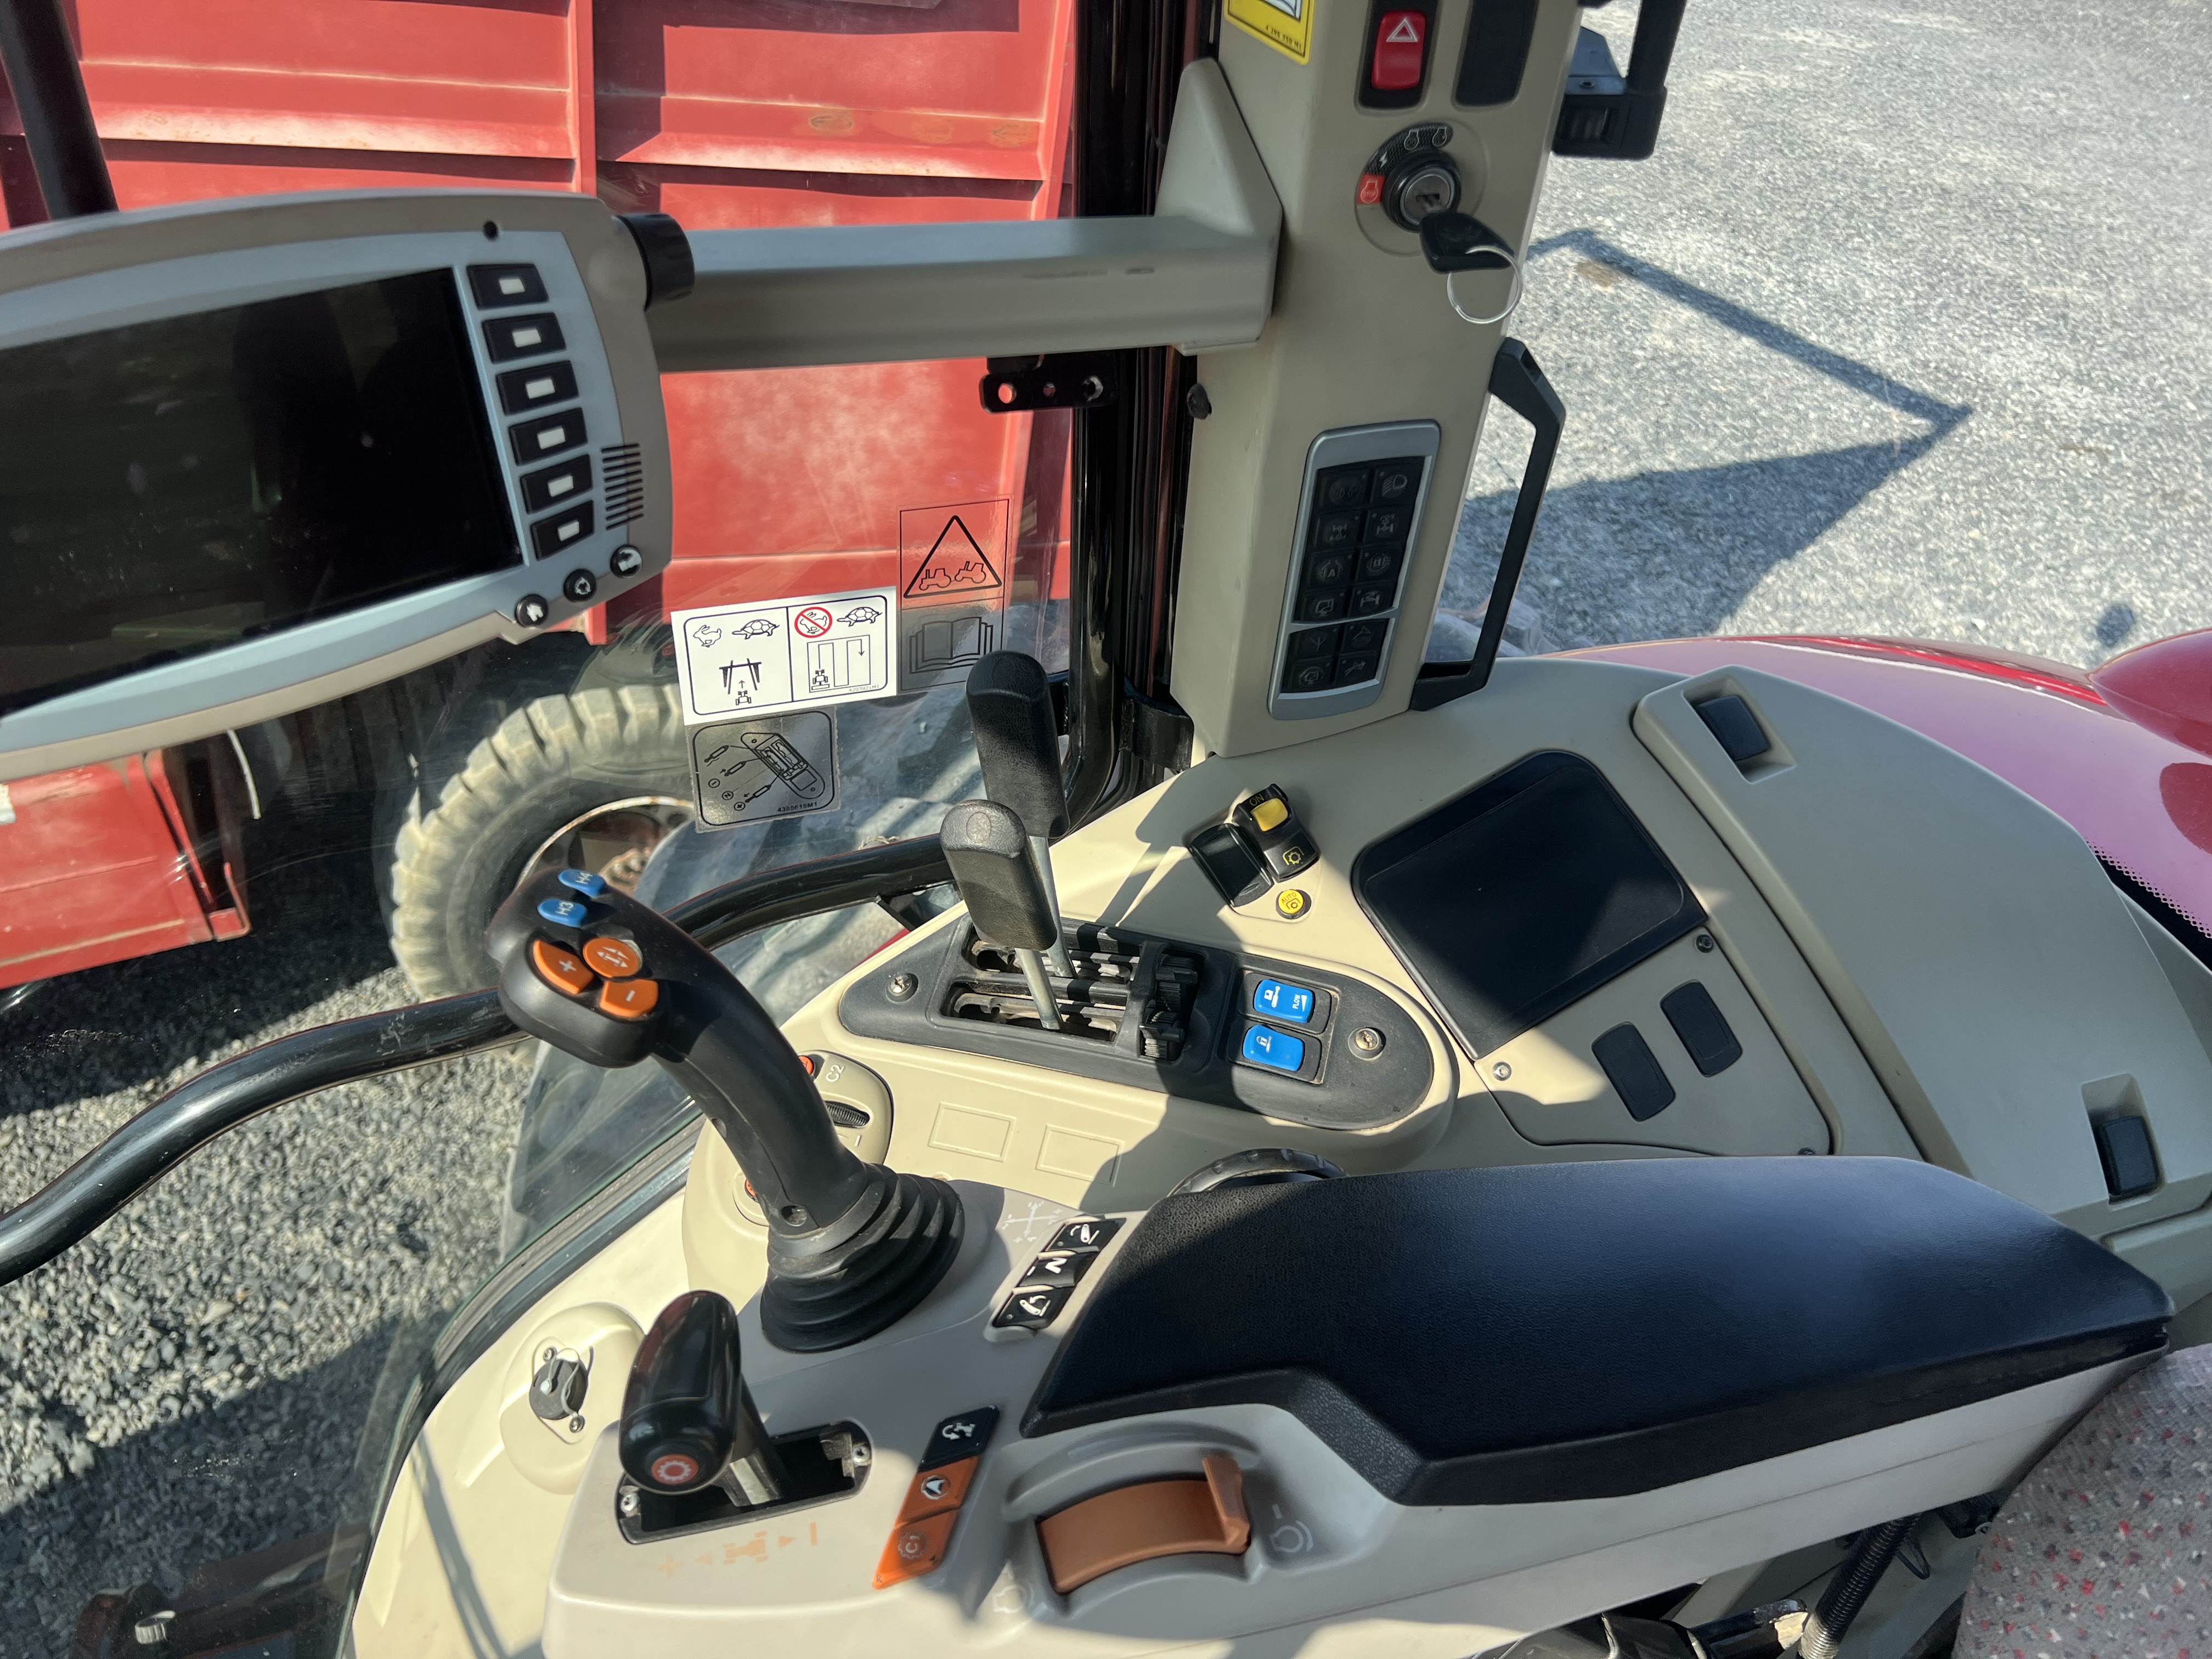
617	958
629	999
559	967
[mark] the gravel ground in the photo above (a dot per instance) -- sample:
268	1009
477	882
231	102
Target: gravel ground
1902	332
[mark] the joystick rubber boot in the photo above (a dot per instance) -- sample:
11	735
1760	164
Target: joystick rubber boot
851	1246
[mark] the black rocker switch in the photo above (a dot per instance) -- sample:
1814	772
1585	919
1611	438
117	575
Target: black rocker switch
851	1246
1267	817
988	850
688	1419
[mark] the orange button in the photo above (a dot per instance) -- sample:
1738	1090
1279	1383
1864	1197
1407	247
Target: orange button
935	1491
556	965
629	999
617	958
915	1548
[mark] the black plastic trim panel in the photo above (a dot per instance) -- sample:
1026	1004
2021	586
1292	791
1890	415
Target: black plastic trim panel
1577	1331
1354	1092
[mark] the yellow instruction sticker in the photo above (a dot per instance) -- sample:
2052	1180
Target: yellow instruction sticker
1286	25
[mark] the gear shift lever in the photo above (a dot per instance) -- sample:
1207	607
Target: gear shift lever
1018	740
851	1246
1005	896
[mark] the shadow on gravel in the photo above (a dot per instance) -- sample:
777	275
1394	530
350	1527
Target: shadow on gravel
311	893
1664	554
264	1470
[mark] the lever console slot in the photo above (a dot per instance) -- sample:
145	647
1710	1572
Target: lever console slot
819	1464
1283	1039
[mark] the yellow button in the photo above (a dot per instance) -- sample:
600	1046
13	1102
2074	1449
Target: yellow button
1291	902
1270	812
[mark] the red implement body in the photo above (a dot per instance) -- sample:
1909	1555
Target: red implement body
723	113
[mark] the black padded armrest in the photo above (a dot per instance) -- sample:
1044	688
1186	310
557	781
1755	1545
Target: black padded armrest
1587	1330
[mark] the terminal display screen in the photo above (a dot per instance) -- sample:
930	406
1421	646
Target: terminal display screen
176	486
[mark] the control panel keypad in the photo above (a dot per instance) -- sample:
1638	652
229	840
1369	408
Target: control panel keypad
603	970
1359	524
1049	1280
930	1510
1287	1026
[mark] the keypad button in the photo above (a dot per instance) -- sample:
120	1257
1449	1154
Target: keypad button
935	1491
627	561
546	436
582	881
1334	529
1310	642
1032	1309
552	486
560	966
1310	676
563	529
521	390
629	999
564	913
1340	487
1291	1004
1355	668
509	338
1323	607
1396	480
494	286
1386	524
1376	596
579	585
1083	1236
1058	1267
959	1437
916	1549
1364	636
531	610
616	958
1330	569
1380	564
1276	1051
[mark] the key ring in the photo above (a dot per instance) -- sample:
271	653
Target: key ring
1512	298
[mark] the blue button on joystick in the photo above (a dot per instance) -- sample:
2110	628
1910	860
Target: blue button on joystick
564	913
584	882
1278	1051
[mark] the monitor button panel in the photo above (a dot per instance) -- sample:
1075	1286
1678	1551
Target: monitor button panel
1358	515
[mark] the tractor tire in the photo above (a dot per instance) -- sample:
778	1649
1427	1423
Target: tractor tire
551	764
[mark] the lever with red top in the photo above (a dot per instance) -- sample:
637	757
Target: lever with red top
851	1246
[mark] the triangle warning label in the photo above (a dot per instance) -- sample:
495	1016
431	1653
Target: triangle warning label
1405	35
956	563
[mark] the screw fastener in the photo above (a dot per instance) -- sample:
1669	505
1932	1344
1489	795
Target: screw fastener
1367	1042
1705	941
1502	1070
902	986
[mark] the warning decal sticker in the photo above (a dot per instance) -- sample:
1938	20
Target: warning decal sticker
952	589
1286	25
784	654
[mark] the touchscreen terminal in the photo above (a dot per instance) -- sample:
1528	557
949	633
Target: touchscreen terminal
178	485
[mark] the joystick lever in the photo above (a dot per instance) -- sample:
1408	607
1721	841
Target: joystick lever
688	1419
1018	740
851	1246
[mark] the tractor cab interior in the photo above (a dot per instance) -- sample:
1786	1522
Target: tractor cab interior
1295	1127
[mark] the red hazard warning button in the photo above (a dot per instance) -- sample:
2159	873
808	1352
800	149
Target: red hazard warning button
1401	39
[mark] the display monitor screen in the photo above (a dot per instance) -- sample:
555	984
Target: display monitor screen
176	486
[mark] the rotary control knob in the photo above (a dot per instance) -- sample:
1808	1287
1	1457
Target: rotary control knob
1422	183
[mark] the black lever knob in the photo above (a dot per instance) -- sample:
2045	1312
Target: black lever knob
989	855
1017	739
688	1419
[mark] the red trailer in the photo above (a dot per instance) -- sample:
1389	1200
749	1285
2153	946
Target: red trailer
723	113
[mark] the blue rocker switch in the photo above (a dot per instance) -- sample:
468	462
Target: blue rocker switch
1291	1004
1278	1051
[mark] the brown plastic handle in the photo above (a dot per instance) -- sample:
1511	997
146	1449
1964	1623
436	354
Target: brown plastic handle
1185	1516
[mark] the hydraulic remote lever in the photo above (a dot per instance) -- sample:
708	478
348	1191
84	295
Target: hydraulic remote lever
688	1419
851	1246
1006	899
1018	740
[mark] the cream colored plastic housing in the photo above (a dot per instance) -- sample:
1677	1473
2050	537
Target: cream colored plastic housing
1359	335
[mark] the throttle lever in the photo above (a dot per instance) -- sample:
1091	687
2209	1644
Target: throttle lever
1018	740
851	1246
1005	896
688	1419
